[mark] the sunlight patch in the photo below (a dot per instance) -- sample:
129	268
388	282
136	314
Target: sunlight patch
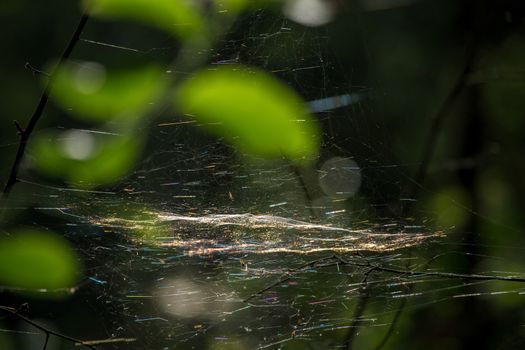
262	234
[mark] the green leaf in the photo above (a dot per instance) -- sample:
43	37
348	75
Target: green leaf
236	6
231	6
178	17
84	158
89	92
251	109
448	207
31	260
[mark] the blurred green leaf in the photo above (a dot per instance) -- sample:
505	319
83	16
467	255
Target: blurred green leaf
233	6
94	94
86	159
237	6
449	207
251	109
34	261
178	17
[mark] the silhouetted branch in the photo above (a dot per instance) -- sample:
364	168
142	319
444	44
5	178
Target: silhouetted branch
438	120
287	276
394	322
34	70
25	133
364	296
107	341
360	308
46	331
337	260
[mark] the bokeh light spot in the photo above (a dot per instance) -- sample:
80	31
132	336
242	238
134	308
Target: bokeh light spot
340	177
311	13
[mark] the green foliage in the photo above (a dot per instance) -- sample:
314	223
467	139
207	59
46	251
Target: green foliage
93	94
247	107
86	159
447	206
35	261
252	110
178	17
234	6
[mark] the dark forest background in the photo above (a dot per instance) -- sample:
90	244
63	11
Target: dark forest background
443	118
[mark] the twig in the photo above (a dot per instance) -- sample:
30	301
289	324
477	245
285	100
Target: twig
358	313
25	133
374	267
437	123
288	276
297	172
107	341
360	308
46	331
436	273
46	341
399	311
430	146
393	325
35	71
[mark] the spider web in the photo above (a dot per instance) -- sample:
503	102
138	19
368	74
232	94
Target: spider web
205	247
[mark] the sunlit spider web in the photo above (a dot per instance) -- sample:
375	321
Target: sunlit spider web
180	255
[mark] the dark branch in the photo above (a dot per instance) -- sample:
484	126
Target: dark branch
19	129
46	341
360	308
46	331
25	133
34	70
393	325
288	276
337	260
437	123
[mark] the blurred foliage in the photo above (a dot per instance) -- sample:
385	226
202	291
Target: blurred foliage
86	159
34	261
408	55
90	92
448	207
247	107
181	18
252	110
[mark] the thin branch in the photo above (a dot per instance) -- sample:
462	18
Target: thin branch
478	277
46	341
337	260
34	70
46	331
25	133
393	325
356	318
19	128
297	172
107	341
430	147
438	121
360	308
288	276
